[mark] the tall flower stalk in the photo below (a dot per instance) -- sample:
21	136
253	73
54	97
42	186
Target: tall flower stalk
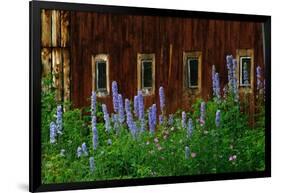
106	118
92	164
136	106
217	86
93	103
259	79
53	132
115	96
121	115
95	132
202	113
162	99
190	127
232	80
130	122
218	118
183	119
59	119
141	110
152	118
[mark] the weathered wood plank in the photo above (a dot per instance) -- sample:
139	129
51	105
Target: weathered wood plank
123	36
57	72
56	28
66	74
46	28
65	22
46	61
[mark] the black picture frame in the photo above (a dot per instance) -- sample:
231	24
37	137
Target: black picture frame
35	184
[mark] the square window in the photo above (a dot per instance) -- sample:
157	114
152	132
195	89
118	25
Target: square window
146	73
245	69
100	74
192	71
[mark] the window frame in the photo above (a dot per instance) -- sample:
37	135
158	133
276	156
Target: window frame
95	59
186	70
245	53
140	58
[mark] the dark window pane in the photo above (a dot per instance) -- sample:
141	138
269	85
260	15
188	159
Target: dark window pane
146	74
101	75
193	72
245	70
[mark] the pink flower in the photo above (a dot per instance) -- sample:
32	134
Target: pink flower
232	158
193	154
147	143
159	148
156	140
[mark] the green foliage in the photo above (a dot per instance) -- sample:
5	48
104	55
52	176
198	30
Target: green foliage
234	146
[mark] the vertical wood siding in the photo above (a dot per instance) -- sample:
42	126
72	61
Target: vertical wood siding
123	36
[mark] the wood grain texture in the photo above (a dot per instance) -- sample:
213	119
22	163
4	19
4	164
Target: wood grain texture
66	74
123	36
46	61
56	28
65	25
57	69
46	28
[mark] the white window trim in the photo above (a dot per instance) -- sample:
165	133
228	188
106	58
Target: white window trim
186	75
95	59
140	59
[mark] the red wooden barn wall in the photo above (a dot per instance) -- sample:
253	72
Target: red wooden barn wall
123	36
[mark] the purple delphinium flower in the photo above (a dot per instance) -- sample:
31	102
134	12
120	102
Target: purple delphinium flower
190	127
115	122
141	110
130	122
171	120
93	103
183	119
213	79
136	106
232	80
120	109
92	164
79	152
245	75
202	113
59	119
259	79
235	81
218	118
162	99
187	152
150	121
154	114
95	133
115	96
141	105
106	118
53	132
84	149
217	85
95	138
